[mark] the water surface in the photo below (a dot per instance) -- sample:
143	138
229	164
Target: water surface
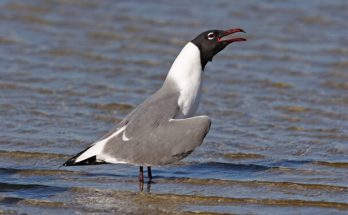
70	70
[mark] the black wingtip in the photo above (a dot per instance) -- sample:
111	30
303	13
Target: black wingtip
90	161
70	162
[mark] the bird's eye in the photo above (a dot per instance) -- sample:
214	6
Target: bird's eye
211	36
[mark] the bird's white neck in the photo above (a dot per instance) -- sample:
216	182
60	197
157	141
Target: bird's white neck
186	73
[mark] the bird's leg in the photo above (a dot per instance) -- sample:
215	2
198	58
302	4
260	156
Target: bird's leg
149	173
141	174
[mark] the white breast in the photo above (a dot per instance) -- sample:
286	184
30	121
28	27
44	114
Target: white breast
186	72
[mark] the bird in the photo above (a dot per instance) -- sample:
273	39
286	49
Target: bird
163	129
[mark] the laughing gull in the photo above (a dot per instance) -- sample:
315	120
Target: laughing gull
162	129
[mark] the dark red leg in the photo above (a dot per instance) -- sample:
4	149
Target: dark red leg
149	173
141	174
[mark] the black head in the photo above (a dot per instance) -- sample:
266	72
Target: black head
212	42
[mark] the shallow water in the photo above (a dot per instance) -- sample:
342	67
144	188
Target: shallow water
70	70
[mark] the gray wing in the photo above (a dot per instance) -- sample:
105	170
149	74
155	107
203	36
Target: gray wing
152	137
165	144
158	108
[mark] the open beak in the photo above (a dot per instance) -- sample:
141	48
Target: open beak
223	37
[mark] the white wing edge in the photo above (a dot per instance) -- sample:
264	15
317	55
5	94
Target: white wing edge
98	147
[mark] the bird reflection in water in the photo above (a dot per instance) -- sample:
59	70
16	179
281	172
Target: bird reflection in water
148	186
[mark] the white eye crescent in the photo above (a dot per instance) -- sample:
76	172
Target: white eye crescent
211	36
